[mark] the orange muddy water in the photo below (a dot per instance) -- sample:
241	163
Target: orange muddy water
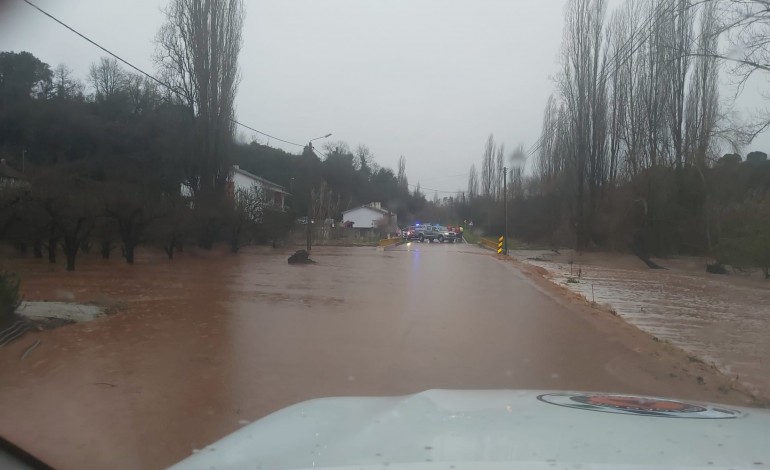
202	345
721	319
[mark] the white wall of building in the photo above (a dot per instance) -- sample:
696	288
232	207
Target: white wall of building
363	217
244	182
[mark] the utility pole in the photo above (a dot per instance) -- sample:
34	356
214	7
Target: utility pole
311	156
505	208
309	193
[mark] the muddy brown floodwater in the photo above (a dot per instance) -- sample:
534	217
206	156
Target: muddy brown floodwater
209	342
723	320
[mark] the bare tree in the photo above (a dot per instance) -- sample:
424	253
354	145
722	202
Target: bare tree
678	31
197	52
142	93
71	214
703	98
617	39
583	88
403	183
473	183
488	169
365	159
65	86
107	78
628	39
338	147
499	164
549	163
247	210
326	203
747	24
654	91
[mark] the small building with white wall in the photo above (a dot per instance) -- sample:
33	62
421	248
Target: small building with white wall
370	215
275	195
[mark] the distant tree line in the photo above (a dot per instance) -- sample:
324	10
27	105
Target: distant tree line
104	160
629	155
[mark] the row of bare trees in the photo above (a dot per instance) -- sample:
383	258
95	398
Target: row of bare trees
489	183
638	89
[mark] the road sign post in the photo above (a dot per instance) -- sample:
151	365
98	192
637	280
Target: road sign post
500	246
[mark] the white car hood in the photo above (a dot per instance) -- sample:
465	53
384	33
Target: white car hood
494	430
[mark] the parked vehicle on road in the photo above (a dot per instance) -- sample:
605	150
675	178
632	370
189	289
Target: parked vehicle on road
446	235
409	233
426	232
430	233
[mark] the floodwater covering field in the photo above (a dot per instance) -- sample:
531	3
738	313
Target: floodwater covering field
721	320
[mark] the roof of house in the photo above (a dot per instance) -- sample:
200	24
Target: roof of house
264	181
366	206
8	172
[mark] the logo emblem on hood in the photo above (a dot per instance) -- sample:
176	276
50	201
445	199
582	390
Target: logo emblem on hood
637	405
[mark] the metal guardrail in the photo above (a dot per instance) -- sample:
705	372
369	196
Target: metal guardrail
390	241
488	243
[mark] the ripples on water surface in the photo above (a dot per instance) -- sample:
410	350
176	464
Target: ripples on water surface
723	320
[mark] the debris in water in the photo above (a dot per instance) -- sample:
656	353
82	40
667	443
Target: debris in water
301	257
716	268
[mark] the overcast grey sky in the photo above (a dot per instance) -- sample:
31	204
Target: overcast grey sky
427	79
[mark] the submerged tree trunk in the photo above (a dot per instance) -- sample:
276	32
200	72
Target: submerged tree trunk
71	247
128	251
52	250
37	248
106	249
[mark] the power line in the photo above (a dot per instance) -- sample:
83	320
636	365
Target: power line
151	77
434	190
318	151
445	177
633	48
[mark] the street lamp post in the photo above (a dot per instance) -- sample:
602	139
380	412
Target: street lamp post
310	189
505	208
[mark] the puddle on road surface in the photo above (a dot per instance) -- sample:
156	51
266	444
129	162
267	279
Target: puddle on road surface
722	320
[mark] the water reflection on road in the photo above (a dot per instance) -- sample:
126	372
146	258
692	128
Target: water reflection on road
723	320
210	342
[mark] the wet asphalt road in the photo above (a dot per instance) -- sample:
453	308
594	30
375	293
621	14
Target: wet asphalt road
205	345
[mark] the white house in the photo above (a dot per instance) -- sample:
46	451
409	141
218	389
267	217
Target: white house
369	216
274	194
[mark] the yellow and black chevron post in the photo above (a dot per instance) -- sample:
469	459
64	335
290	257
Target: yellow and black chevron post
500	245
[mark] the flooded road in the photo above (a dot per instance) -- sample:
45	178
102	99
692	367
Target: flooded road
723	320
207	343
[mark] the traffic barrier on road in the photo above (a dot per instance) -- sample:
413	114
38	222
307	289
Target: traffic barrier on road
389	243
500	246
488	243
